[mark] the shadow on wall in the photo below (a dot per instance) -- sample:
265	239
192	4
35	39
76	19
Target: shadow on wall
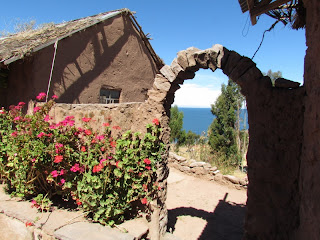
104	54
225	222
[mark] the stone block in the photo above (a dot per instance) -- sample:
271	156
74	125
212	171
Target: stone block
223	55
197	164
232	62
185	169
13	229
168	73
85	231
182	59
213	169
240	69
136	227
232	179
157	95
180	73
285	83
192	64
206	59
161	83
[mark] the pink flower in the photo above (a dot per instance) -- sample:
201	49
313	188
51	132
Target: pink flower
53	126
69	118
28	224
18	107
36	109
113	144
14	134
97	168
21	103
117	164
102	161
87	132
54	173
62	181
54	97
62	171
58	159
47	118
41	96
106	124
41	134
147	161
148	167
116	127
33	160
83	149
156	121
144	201
59	146
17	118
78	202
86	119
75	168
100	137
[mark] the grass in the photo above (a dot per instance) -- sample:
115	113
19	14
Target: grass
202	153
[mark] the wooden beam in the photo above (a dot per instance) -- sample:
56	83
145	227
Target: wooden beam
262	8
250	4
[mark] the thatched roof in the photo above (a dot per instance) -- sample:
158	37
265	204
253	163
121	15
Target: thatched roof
17	46
285	11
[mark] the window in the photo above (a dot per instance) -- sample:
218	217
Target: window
109	95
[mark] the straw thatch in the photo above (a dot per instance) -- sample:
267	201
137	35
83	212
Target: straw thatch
17	46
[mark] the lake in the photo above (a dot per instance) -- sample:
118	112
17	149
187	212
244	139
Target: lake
198	120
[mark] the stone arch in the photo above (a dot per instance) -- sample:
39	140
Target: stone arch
274	148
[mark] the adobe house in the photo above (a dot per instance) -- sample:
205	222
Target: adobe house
104	58
283	155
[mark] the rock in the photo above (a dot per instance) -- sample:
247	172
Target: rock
232	179
168	73
136	227
206	59
243	182
218	177
84	231
177	157
170	236
182	59
216	172
197	164
285	83
192	161
184	169
13	229
223	54
161	83
232	62
198	170
207	166
157	95
213	169
192	64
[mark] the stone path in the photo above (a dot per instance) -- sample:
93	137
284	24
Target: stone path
202	209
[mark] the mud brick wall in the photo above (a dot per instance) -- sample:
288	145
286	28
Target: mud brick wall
310	158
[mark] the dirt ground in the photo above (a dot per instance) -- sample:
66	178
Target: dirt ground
201	209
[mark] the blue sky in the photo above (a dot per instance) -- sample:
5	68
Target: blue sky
176	25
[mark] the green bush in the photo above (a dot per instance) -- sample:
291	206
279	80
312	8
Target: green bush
105	176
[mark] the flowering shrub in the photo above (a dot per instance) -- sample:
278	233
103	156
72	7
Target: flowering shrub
108	177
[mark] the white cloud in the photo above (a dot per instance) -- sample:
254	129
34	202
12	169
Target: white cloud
194	95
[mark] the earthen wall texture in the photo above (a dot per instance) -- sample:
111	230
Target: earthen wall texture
109	54
310	160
